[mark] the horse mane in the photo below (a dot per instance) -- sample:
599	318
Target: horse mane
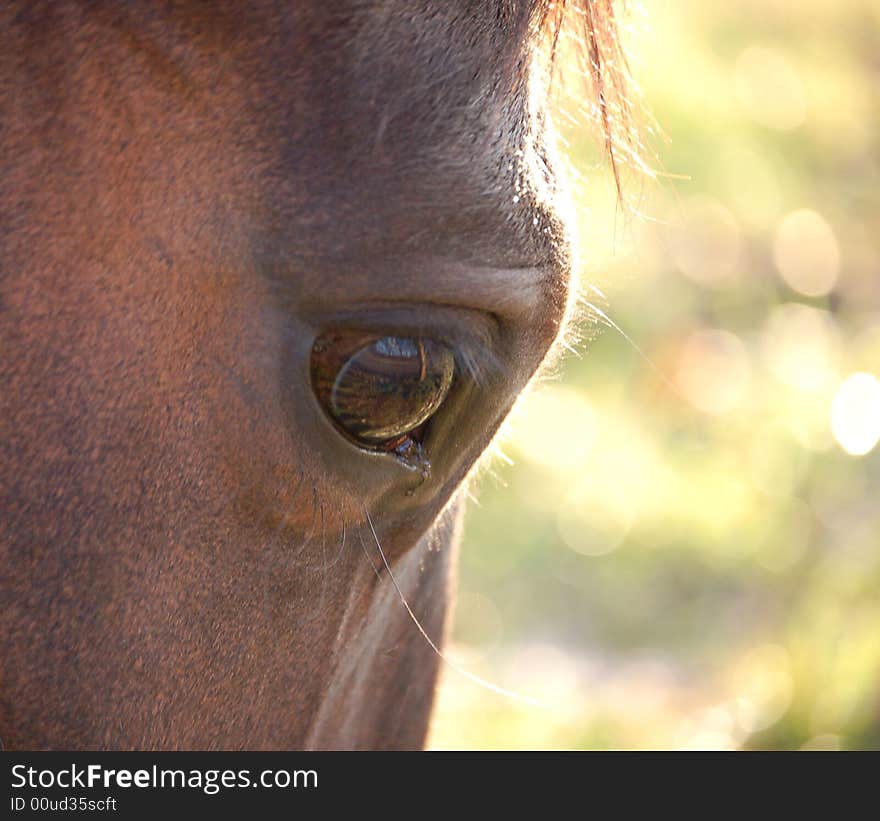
589	33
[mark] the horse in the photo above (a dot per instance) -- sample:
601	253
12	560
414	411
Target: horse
273	274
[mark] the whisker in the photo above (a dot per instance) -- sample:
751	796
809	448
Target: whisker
570	348
471	496
369	557
596	290
609	322
488	685
313	527
341	543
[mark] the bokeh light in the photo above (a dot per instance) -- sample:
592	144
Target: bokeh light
707	245
855	414
685	552
801	346
555	428
713	371
806	253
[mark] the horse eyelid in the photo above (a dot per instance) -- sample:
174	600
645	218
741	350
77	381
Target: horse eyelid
478	362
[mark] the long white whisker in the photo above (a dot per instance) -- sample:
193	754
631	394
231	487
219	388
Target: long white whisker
612	324
369	557
460	670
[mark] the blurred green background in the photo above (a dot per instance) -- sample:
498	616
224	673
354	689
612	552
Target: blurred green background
686	550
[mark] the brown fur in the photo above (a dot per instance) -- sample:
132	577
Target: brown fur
189	193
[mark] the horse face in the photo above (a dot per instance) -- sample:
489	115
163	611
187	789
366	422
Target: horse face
194	195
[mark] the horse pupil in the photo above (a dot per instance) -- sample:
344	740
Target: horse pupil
378	390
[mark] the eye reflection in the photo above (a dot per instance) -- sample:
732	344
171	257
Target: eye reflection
380	391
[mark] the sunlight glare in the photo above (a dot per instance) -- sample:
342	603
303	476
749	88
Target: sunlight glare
855	413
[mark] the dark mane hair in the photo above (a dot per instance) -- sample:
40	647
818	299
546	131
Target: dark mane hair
598	58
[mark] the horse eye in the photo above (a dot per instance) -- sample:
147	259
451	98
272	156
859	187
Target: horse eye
380	391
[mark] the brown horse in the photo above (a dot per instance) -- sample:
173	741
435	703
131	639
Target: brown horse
272	275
